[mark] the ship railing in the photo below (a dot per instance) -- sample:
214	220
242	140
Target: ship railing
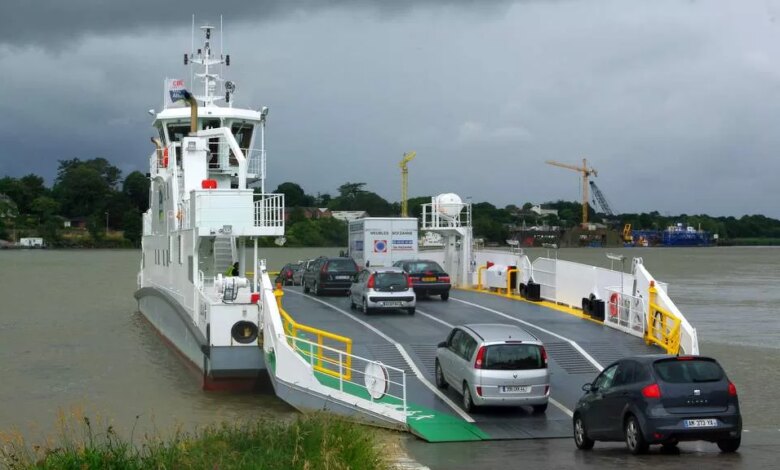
437	215
353	375
625	312
269	210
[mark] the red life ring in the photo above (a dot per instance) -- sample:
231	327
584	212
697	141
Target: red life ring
165	158
613	304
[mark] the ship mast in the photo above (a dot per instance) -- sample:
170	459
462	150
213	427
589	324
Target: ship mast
204	58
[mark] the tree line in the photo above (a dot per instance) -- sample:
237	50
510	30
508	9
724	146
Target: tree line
93	193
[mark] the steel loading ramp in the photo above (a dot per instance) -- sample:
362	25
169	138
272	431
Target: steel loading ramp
408	343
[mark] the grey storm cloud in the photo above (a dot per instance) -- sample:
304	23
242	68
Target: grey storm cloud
675	102
50	22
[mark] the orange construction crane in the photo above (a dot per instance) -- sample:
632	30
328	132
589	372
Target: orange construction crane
586	172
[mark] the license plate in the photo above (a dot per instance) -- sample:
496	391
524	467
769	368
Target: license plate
342	277
516	389
391	304
701	423
429	279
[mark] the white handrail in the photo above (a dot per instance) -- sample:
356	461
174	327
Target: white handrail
396	378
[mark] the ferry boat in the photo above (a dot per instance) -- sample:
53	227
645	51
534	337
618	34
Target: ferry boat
208	207
205	288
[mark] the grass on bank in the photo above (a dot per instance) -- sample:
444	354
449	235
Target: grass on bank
317	441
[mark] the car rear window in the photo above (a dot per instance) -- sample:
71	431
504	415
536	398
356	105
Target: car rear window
513	357
688	371
422	266
387	280
341	265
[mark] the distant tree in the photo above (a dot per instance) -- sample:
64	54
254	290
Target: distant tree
294	196
132	226
136	188
351	190
108	172
44	208
81	190
323	200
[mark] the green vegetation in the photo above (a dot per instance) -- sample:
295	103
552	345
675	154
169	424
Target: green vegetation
309	442
107	210
87	195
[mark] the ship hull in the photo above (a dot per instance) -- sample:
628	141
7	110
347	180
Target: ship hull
219	367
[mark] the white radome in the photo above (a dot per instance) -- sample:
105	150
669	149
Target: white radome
449	204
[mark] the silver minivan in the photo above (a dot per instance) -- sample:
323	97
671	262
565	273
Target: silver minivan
494	364
382	288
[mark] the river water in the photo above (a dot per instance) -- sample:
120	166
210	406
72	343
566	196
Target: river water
71	340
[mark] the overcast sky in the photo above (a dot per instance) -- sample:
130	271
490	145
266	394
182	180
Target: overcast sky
674	102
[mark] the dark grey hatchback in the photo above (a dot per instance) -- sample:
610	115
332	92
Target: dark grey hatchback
659	399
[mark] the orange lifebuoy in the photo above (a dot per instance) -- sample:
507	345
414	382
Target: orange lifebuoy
613	304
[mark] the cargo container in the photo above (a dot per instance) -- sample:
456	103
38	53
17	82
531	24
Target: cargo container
381	241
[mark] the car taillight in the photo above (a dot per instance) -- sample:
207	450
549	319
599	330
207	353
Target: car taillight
480	358
732	390
685	358
444	279
324	271
479	390
409	284
652	391
289	274
544	355
370	283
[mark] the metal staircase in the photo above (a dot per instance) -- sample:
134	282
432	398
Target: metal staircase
224	253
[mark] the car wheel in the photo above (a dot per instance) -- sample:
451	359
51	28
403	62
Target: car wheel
539	409
317	290
440	382
635	441
366	310
445	296
352	303
581	439
729	445
410	311
305	288
468	403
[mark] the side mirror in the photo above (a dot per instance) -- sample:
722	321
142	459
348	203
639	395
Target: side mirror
588	387
443	344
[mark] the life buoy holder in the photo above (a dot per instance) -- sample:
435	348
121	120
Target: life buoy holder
613	304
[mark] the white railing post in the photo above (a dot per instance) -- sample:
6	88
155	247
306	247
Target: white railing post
341	372
403	379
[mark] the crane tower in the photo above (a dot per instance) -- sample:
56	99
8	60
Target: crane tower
405	182
586	172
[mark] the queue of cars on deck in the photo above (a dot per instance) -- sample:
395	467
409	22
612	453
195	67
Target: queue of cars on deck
640	400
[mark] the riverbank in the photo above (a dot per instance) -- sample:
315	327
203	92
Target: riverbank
306	442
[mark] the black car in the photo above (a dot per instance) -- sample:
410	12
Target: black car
428	278
286	275
659	399
329	275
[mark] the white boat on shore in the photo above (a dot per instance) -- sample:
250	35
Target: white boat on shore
194	285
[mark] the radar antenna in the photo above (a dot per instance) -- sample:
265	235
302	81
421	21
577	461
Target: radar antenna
208	75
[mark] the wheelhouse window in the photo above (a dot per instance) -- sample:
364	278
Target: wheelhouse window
242	132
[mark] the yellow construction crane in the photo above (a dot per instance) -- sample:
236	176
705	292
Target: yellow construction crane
408	157
586	172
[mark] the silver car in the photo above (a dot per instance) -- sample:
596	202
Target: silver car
382	288
494	364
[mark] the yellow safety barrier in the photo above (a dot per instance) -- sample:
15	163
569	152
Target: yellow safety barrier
663	327
479	276
509	273
337	366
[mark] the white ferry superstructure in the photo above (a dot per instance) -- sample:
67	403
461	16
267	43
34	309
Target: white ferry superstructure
203	217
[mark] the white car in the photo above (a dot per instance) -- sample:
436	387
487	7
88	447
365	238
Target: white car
382	289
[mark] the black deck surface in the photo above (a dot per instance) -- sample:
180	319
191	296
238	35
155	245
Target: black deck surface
419	334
